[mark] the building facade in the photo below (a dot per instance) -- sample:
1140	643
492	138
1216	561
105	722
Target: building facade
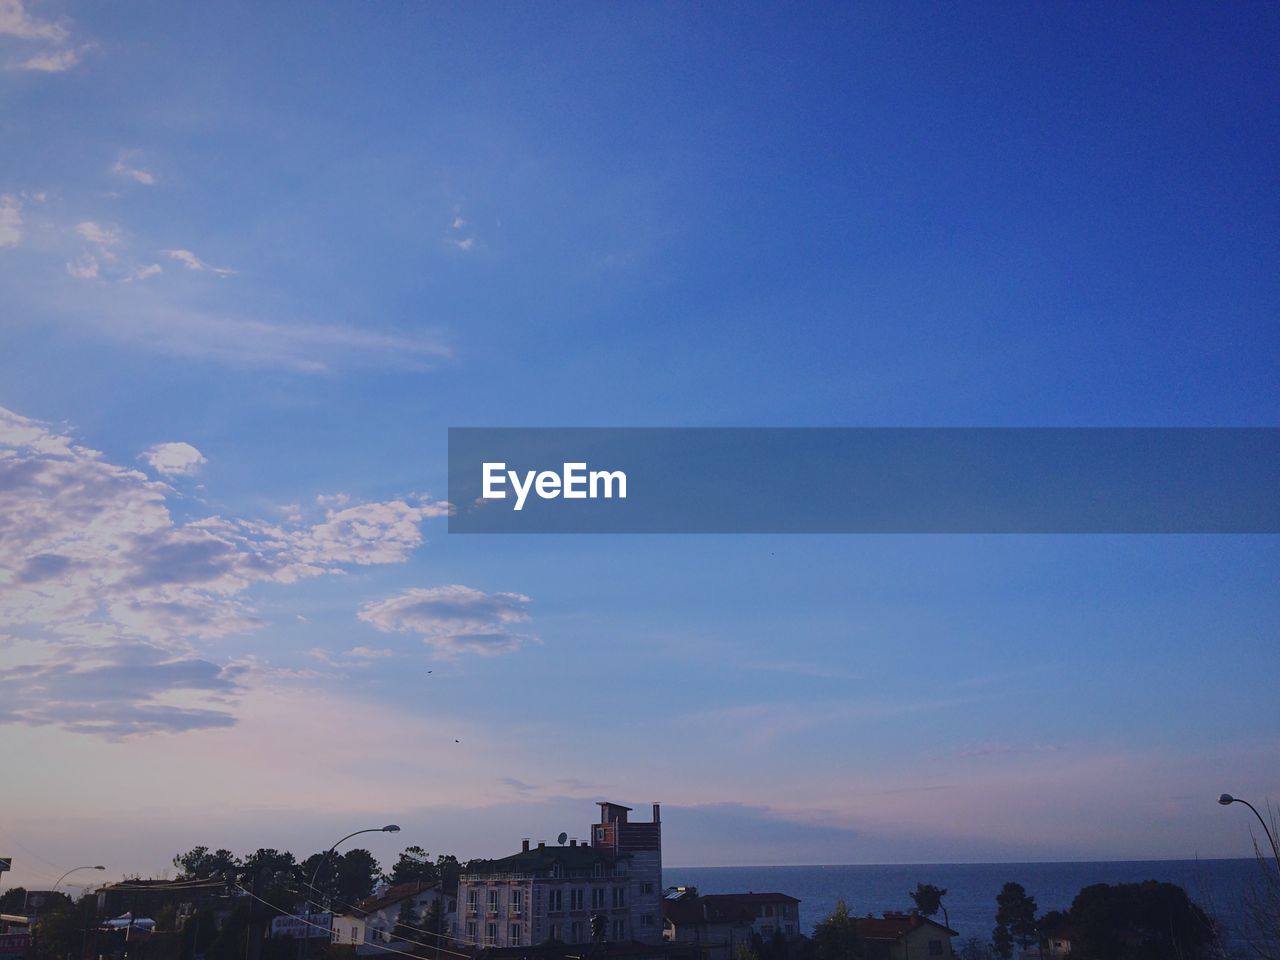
609	890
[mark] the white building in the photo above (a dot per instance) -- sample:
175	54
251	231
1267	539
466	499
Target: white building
555	893
372	924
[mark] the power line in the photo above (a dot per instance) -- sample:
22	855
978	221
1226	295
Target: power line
376	946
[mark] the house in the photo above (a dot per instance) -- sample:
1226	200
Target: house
904	936
1055	944
608	890
717	923
371	926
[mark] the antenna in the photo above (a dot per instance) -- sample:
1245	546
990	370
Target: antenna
562	838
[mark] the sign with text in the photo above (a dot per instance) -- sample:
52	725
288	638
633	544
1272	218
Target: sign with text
311	925
864	480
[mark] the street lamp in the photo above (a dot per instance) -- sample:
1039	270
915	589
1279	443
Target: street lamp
1227	799
71	871
389	828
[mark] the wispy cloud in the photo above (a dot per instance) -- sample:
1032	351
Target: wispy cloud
174	459
93	566
454	619
192	262
57	61
10	220
137	174
15	21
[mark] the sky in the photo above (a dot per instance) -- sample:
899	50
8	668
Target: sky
257	259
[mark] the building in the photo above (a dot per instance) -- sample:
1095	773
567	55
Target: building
904	936
716	923
609	890
372	924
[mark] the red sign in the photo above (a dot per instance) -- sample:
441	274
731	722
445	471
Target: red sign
15	943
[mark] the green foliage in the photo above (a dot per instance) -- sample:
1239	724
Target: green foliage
199	864
406	922
345	878
1015	919
836	936
974	949
928	900
413	864
1140	921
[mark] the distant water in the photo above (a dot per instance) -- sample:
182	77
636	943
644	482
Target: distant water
1218	886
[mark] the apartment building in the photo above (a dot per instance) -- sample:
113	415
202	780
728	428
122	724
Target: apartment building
608	890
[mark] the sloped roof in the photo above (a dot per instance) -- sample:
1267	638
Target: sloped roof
895	926
540	860
392	896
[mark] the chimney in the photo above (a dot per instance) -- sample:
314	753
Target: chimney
542	845
573	841
524	845
656	817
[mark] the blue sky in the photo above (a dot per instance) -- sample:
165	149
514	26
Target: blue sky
260	259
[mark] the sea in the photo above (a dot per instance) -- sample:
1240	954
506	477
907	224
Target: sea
1218	886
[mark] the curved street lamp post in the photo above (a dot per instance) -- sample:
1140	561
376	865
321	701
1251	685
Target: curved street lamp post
1227	799
389	828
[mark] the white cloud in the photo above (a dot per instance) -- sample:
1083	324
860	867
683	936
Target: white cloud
100	235
121	169
16	22
10	220
83	267
142	273
192	262
94	567
454	619
55	62
174	459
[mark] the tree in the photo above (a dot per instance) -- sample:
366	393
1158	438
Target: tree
199	864
414	864
1015	919
406	922
928	900
449	870
1140	920
836	936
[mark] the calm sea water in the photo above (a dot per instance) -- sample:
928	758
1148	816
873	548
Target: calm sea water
1219	886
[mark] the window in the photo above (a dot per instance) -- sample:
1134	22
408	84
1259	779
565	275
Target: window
515	935
493	901
472	897
619	897
935	948
646	888
575	899
555	932
555	901
646	919
597	898
597	869
767	930
576	931
490	933
619	930
517	900
353	934
557	871
471	931
768	909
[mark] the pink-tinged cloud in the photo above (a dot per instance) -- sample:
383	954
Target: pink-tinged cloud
454	619
94	567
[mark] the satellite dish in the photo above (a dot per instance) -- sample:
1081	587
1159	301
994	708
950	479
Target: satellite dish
562	838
